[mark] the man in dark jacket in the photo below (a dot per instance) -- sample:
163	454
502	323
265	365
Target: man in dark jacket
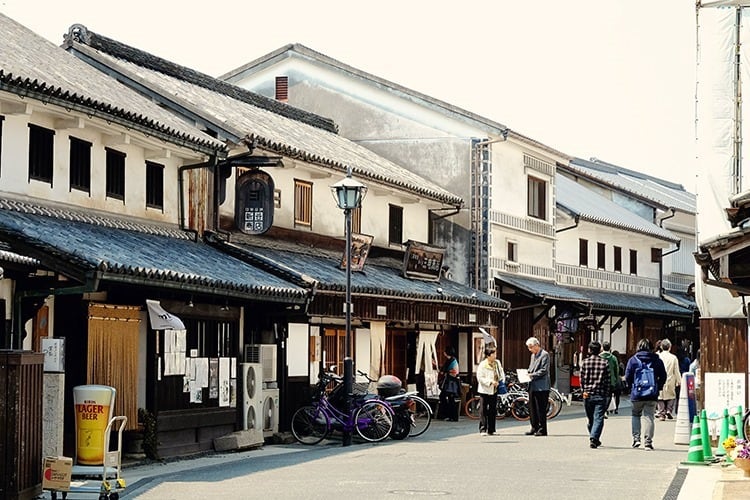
644	406
595	382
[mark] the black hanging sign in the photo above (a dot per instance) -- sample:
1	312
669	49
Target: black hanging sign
253	206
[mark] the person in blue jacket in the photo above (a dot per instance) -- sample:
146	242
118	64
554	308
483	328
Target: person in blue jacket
644	406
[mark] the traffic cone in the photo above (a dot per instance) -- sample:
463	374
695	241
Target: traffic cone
738	423
706	441
720	451
732	426
695	451
682	424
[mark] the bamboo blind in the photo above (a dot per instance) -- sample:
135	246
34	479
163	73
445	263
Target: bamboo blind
113	354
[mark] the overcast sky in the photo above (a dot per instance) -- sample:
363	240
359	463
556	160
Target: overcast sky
611	79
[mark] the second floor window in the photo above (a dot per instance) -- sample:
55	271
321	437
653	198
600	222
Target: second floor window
395	224
583	252
80	165
618	259
357	220
537	194
634	262
115	174
512	251
41	148
303	203
601	256
656	255
154	185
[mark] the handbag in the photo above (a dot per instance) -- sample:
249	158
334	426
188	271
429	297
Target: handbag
502	388
612	405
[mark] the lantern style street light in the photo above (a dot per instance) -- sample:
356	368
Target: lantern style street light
349	194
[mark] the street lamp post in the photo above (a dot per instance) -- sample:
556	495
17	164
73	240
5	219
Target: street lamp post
348	194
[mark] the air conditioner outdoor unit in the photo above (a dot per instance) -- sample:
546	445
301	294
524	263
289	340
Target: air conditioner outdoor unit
266	355
252	399
270	409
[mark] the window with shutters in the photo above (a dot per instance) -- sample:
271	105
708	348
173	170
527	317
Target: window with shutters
80	165
41	148
395	224
303	203
154	185
537	198
583	252
115	174
618	259
633	261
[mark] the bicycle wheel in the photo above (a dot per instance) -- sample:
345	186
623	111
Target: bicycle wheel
310	425
552	407
558	401
519	408
471	408
374	421
421	416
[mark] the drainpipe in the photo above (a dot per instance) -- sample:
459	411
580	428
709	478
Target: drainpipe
576	221
661	257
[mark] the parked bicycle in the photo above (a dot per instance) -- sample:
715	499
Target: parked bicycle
416	413
372	419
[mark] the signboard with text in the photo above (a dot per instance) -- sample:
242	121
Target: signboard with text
423	261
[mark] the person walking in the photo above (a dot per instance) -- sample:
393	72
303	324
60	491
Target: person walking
644	406
450	389
489	375
538	387
614	376
621	386
668	394
595	382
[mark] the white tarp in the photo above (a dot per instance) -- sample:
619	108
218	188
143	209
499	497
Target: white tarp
716	122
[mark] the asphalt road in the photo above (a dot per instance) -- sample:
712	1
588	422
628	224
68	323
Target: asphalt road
450	460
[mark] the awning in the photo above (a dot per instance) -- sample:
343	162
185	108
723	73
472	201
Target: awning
320	269
93	249
596	301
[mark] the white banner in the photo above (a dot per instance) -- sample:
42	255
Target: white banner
161	319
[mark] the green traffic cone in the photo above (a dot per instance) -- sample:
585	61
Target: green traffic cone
738	423
720	451
695	451
703	421
733	427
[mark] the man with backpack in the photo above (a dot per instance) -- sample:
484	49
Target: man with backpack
645	375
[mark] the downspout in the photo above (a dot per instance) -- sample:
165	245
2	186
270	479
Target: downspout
661	257
576	221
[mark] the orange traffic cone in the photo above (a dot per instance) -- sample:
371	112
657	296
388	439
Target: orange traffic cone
695	451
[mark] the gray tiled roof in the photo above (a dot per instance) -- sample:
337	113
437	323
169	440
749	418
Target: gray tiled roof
83	249
665	193
600	301
266	128
32	66
590	206
322	268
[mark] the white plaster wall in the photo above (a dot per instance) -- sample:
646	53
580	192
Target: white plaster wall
568	246
14	175
327	218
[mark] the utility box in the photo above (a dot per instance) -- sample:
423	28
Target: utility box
21	389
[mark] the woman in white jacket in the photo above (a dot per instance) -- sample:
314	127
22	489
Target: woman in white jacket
489	375
668	394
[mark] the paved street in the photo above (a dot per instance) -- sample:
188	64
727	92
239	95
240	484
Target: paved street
451	460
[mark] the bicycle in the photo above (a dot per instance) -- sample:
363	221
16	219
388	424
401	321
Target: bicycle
420	411
505	403
372	419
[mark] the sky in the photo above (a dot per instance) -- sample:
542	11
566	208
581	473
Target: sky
610	79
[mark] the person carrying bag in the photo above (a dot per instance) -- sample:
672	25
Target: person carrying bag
450	387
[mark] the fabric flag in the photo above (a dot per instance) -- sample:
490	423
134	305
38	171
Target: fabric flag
161	319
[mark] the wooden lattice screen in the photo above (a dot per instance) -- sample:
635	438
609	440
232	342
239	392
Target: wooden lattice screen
113	354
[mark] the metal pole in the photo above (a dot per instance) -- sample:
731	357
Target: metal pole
348	362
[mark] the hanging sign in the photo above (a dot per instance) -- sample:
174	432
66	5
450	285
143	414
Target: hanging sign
423	261
253	205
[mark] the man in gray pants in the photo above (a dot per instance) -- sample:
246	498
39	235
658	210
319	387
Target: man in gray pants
538	387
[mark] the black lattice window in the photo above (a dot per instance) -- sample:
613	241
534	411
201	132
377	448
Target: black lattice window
41	153
154	185
80	165
115	174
